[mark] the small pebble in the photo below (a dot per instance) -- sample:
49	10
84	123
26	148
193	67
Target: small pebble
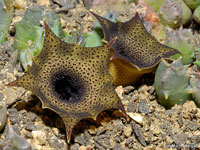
131	106
15	141
40	136
26	133
1	96
30	126
179	138
82	147
143	107
198	114
192	126
92	130
187	108
75	146
80	139
117	147
129	140
136	117
128	131
128	89
19	4
138	133
169	140
3	114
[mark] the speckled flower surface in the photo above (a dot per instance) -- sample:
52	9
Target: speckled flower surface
71	80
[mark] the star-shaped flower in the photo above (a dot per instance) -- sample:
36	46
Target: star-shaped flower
136	51
71	80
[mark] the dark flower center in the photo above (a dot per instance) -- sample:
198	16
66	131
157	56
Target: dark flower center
67	87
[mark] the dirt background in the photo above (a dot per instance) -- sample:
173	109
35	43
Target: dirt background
151	126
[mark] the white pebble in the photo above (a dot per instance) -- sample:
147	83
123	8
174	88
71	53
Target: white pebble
40	136
136	117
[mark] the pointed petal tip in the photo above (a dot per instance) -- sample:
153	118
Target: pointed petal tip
93	13
137	15
45	24
46	27
166	95
14	83
68	134
112	41
121	107
94	117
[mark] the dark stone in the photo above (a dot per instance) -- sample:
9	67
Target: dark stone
1	96
167	126
127	97
149	140
97	146
55	143
28	134
152	97
170	112
129	140
144	107
13	57
152	90
131	106
179	138
16	129
31	117
122	138
86	136
128	89
3	76
117	139
192	126
83	14
29	126
119	126
13	115
197	139
106	141
101	131
99	143
105	135
80	139
180	120
75	147
138	133
117	147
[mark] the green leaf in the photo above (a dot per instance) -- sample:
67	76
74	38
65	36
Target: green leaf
25	28
92	39
187	50
30	33
5	15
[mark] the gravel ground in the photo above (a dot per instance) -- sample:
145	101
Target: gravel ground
150	125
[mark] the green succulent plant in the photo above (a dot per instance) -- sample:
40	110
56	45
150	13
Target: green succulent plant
30	33
192	4
183	41
6	16
172	83
170	13
155	4
195	84
196	15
